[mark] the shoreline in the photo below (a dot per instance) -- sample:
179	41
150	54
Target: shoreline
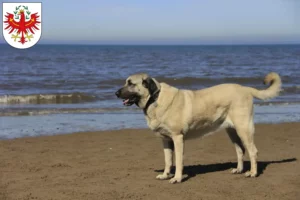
143	130
122	164
53	124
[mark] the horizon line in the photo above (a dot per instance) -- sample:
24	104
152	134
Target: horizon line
179	44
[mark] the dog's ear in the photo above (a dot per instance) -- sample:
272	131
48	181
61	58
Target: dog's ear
150	84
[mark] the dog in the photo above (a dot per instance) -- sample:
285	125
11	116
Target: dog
179	114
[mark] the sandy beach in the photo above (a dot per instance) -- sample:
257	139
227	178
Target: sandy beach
123	164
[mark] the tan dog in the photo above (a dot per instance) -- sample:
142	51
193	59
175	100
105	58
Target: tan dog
176	115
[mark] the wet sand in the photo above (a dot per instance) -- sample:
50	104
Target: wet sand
123	165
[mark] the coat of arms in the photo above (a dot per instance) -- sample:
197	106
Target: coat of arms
22	24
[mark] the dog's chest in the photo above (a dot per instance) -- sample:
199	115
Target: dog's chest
157	126
153	123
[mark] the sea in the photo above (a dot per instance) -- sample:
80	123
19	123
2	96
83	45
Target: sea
61	89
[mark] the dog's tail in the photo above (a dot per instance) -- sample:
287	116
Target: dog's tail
272	91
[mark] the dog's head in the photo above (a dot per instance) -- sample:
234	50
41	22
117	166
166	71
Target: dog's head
137	90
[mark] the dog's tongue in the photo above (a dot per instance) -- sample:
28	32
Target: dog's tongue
125	101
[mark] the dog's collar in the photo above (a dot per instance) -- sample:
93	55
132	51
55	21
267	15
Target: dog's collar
151	100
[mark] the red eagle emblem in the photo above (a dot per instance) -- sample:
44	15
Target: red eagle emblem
24	26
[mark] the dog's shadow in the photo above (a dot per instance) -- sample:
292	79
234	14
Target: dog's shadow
194	170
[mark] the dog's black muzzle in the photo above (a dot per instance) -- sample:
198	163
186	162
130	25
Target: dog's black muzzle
129	98
118	93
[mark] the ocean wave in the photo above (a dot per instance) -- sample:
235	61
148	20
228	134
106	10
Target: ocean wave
200	83
32	59
292	90
184	81
126	110
276	103
32	112
47	98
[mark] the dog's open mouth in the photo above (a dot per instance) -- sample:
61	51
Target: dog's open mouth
130	101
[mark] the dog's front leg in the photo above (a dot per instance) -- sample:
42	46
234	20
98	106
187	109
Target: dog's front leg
179	146
168	152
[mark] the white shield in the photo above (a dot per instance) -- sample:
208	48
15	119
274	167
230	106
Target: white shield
22	24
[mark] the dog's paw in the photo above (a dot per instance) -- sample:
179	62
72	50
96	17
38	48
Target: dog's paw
250	174
163	176
175	180
236	171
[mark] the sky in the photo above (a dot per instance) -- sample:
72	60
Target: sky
169	22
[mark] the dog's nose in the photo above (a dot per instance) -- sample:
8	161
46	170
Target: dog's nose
118	93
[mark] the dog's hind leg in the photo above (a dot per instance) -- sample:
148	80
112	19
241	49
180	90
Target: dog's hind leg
246	133
240	150
168	152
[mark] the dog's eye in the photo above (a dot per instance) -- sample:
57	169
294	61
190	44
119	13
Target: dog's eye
129	83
